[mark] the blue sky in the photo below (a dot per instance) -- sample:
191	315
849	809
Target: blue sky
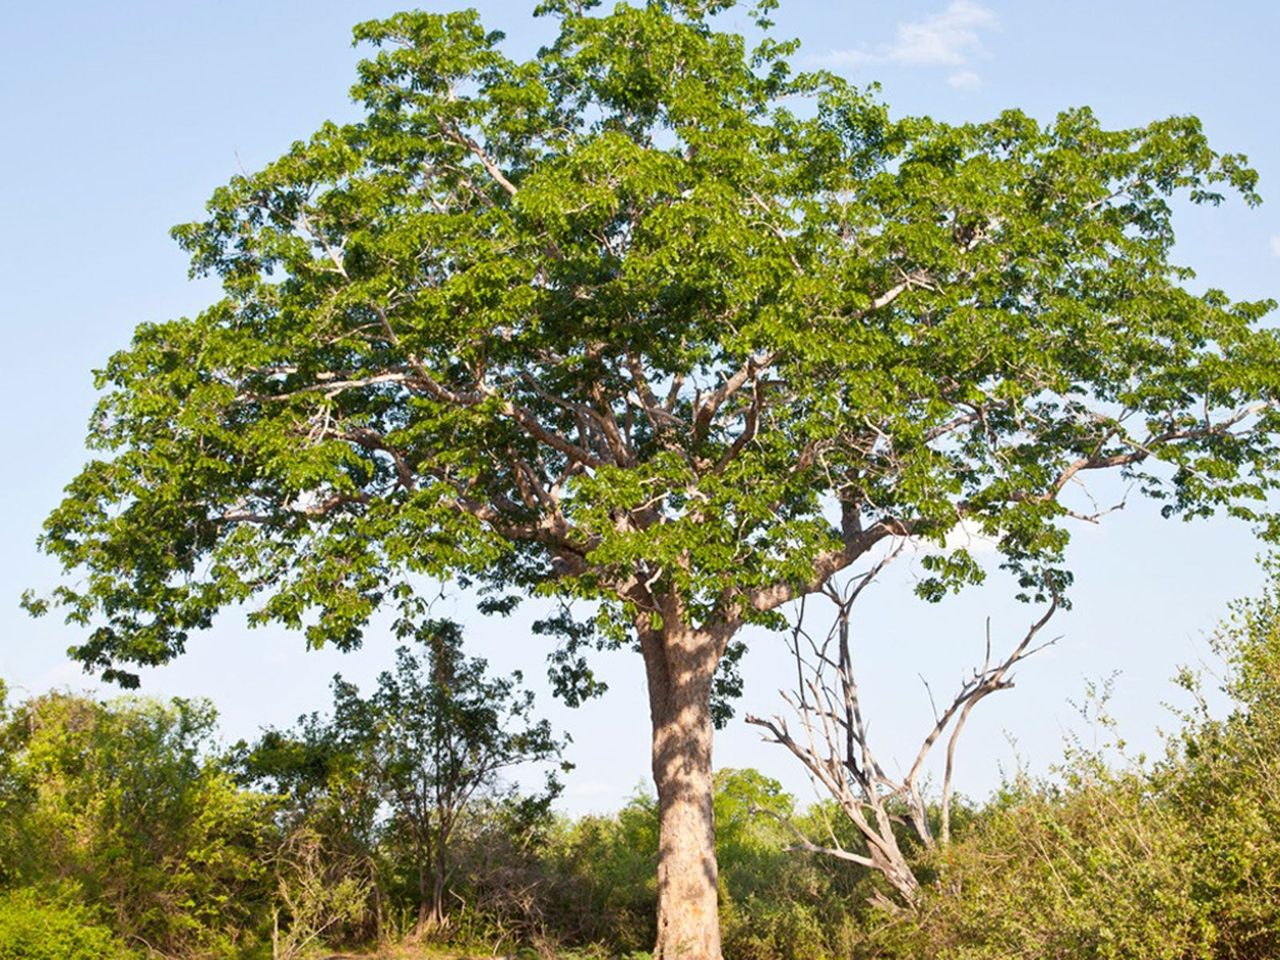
123	117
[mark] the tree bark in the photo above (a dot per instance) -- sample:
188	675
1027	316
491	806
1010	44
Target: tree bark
424	915
428	919
439	881
680	663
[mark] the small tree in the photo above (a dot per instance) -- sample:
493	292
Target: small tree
651	320
445	732
435	735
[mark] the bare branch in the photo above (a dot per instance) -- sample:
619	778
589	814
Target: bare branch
836	748
706	410
477	151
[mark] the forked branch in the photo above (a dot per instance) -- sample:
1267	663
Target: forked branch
833	743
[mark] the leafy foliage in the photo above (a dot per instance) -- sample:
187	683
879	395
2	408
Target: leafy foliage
318	894
119	803
1173	859
596	888
32	928
1177	859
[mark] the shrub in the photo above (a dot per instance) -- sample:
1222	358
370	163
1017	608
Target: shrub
122	800
35	929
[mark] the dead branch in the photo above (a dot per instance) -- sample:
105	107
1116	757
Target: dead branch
835	747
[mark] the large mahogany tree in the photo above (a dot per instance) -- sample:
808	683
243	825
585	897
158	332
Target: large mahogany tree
653	321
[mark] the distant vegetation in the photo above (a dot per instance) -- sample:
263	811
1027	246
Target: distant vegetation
126	831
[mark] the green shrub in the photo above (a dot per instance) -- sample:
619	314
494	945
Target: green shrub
35	929
122	800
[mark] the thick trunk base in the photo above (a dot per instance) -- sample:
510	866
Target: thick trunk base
688	908
679	672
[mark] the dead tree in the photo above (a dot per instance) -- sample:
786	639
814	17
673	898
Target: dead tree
833	744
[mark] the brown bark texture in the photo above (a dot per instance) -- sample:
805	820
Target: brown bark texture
680	663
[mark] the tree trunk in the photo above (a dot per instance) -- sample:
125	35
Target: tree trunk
439	881
432	883
680	663
424	915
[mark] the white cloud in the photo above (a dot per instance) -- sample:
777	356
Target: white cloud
964	80
1275	244
69	675
970	536
949	38
966	535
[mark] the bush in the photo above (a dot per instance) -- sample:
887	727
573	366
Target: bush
34	929
1171	860
122	800
599	878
